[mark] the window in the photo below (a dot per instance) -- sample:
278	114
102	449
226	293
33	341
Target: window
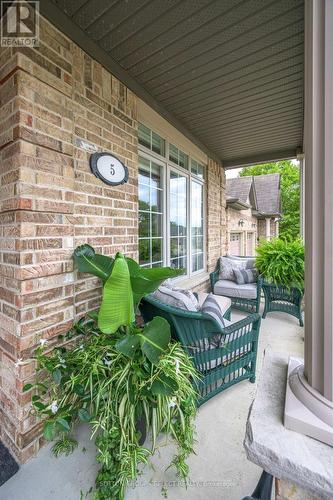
177	156
150	213
171	206
150	140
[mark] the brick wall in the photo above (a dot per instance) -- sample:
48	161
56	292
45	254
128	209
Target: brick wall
51	202
52	98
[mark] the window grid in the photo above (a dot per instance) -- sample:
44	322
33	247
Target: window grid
151	140
178	157
192	245
150	214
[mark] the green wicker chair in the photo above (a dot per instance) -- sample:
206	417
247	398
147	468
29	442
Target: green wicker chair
283	299
244	304
223	356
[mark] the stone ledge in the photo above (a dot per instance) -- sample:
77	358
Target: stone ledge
283	453
196	280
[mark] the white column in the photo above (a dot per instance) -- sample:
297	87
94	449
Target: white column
302	194
268	228
313	384
277	228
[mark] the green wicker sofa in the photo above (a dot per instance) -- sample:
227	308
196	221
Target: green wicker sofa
243	297
223	356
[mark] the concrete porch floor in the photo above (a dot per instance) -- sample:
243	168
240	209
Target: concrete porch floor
219	470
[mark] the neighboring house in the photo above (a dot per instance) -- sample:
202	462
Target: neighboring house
253	211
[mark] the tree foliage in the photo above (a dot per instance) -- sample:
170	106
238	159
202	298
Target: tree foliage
290	193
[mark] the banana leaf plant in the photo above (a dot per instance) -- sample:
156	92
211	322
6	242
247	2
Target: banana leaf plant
124	285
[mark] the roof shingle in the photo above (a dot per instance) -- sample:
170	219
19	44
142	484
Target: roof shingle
267	192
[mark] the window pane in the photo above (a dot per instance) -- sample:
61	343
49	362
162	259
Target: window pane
156	175
144	224
158	144
197	169
144	198
144	135
201	171
178	219
144	251
150	213
156	225
144	169
155	200
156	245
197	240
173	153
183	160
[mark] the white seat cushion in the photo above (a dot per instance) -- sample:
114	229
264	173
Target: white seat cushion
224	302
231	289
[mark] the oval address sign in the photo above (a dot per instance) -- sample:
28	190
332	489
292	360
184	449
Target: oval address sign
108	168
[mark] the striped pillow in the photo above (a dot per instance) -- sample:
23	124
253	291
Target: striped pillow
244	276
211	307
176	298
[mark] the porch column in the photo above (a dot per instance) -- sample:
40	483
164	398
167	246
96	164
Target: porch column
313	384
268	228
302	194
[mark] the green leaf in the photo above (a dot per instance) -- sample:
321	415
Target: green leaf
84	415
63	425
27	387
38	405
49	430
56	375
164	386
145	281
117	304
35	398
128	345
87	261
155	338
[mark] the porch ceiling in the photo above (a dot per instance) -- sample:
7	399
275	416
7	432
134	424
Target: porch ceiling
228	73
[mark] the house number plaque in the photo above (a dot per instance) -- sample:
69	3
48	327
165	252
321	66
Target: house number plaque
108	168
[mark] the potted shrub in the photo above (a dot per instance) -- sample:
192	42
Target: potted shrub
122	378
281	264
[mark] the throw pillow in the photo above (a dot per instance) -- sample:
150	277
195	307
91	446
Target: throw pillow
250	261
190	295
176	298
227	266
244	276
211	307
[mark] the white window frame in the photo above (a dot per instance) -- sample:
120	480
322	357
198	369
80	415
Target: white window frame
167	166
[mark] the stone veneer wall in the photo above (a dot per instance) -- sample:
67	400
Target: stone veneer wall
262	228
250	224
50	202
216	214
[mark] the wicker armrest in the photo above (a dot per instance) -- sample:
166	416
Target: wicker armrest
251	319
214	276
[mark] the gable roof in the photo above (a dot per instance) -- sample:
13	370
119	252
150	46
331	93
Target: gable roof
238	190
267	188
265	196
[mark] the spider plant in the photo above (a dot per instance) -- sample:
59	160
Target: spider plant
111	373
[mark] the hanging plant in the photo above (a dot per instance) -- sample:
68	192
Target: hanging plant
117	375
